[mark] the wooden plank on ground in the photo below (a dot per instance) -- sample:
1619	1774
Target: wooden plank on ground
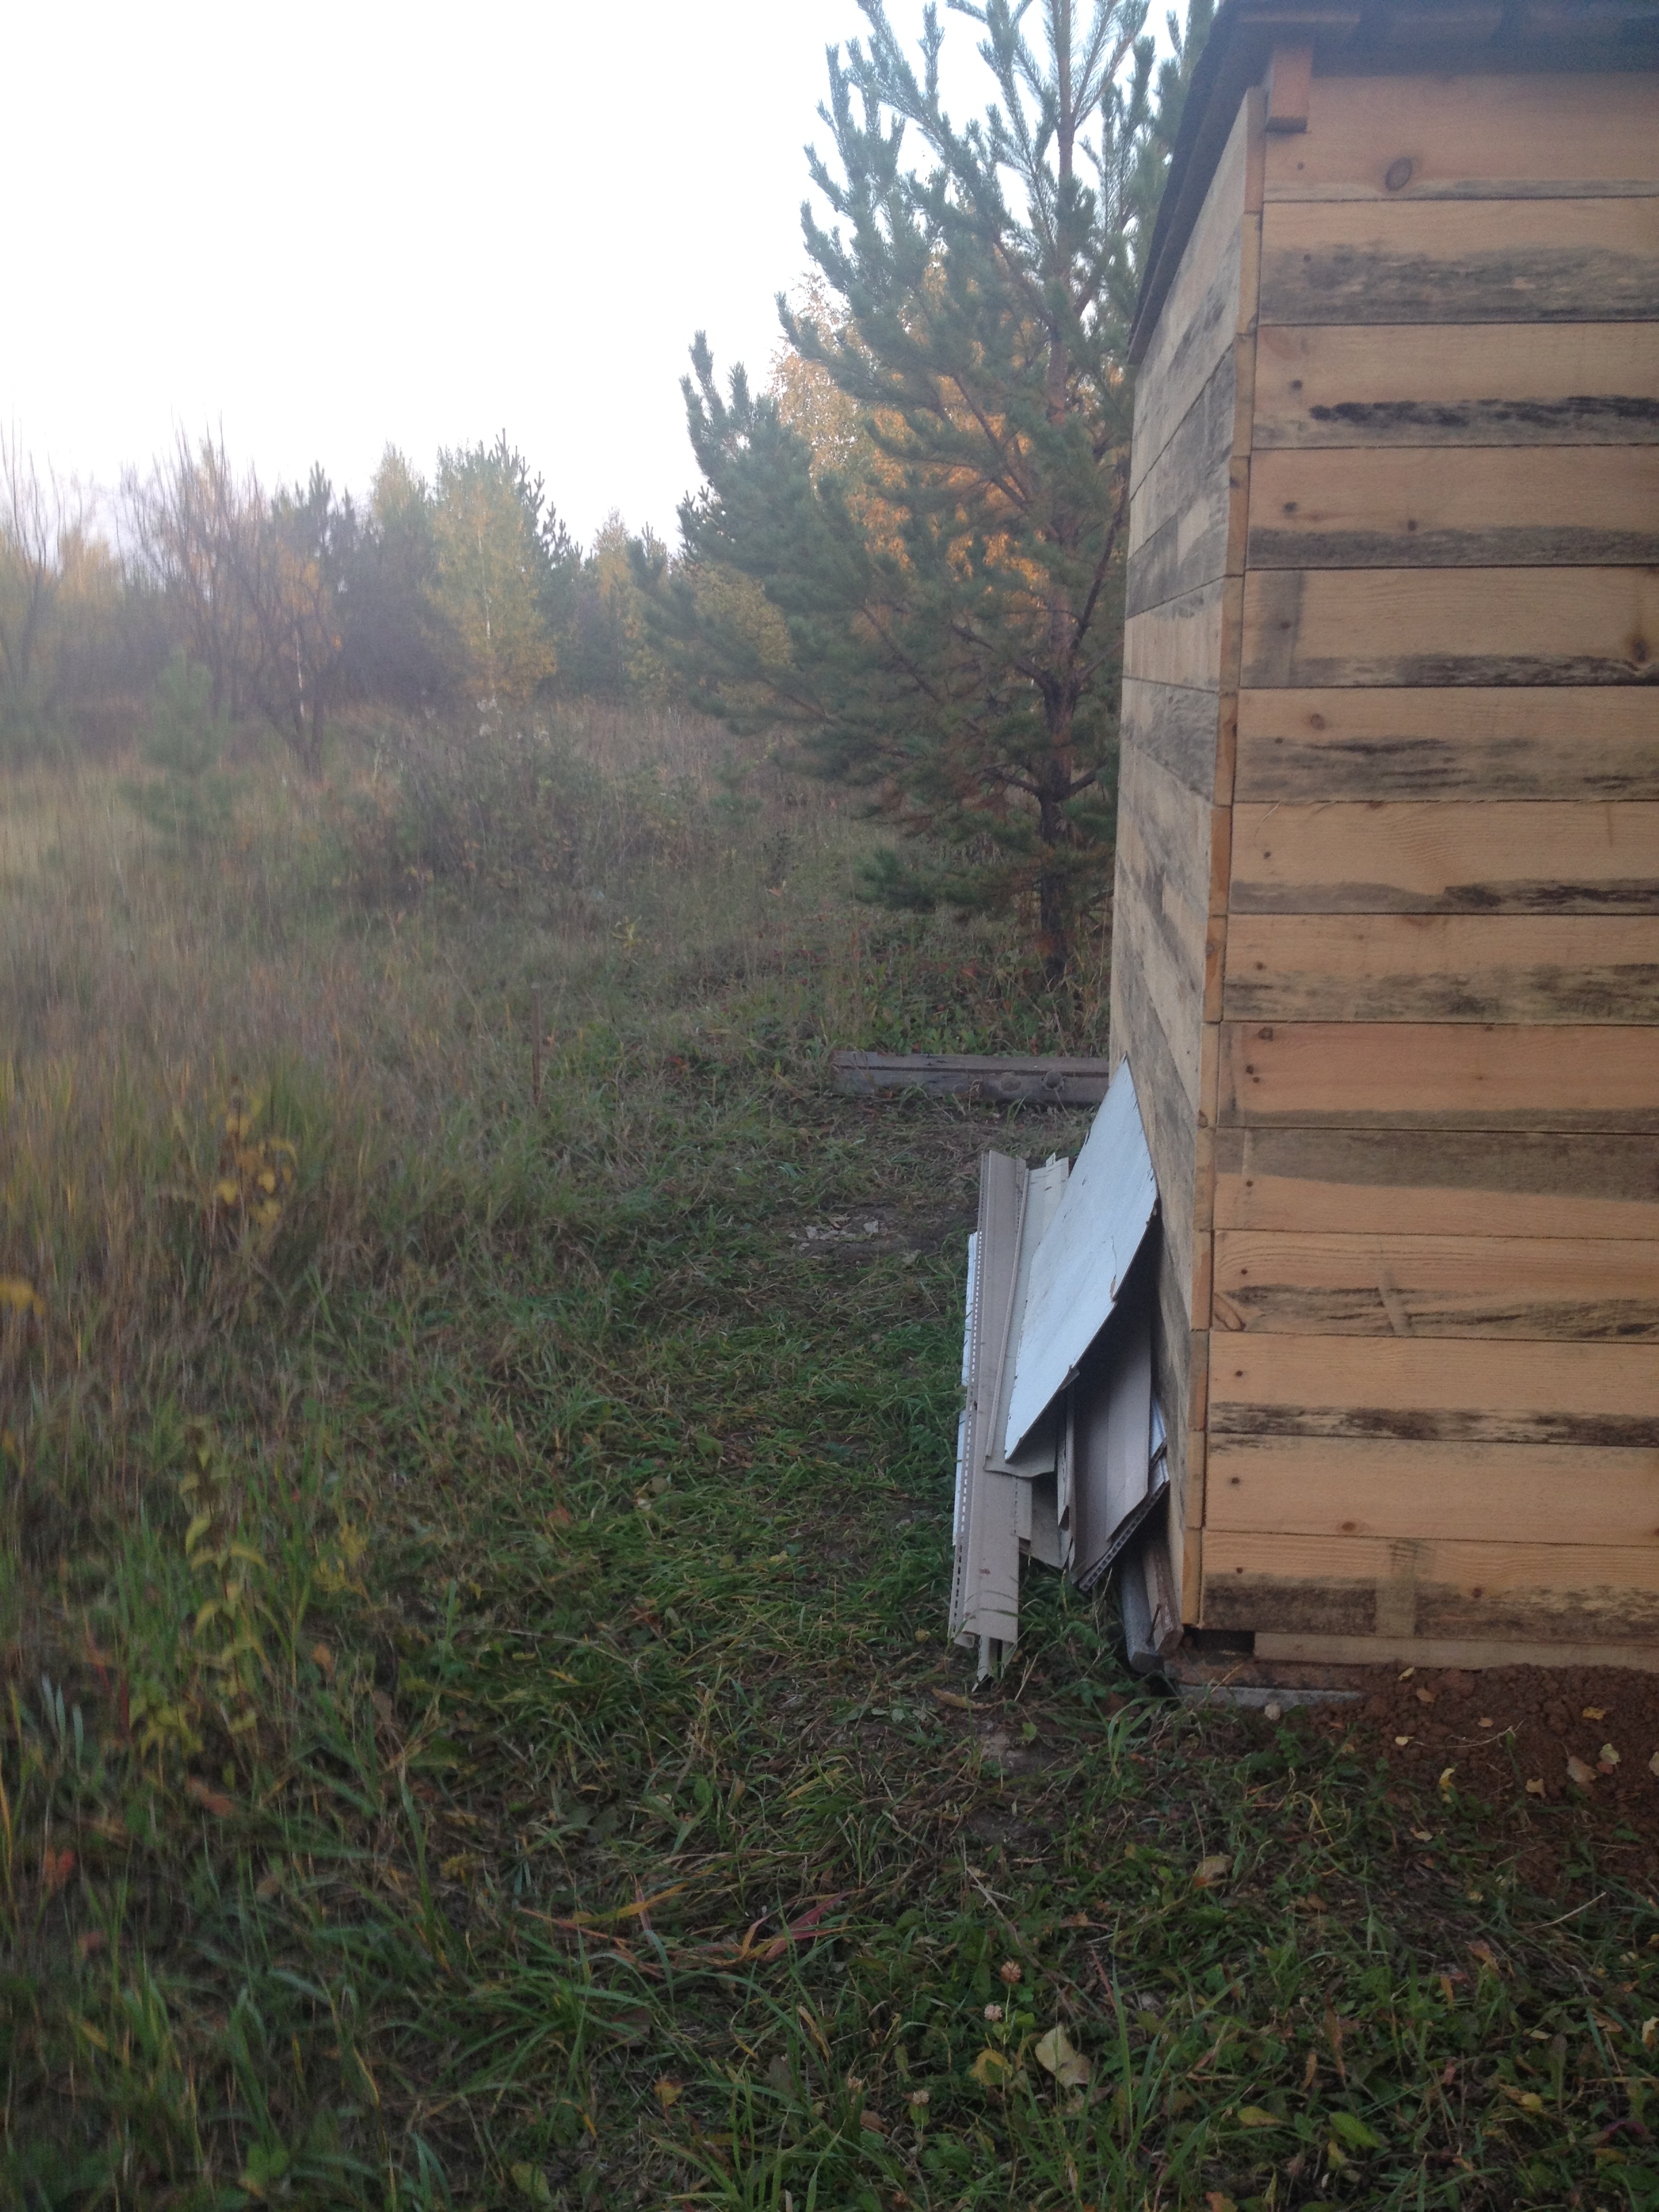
1486	1183
1536	136
1396	1487
1431	507
1468	261
1368	1585
1450	1651
1178	727
1500	742
1450	1390
1572	384
985	1077
1211	299
1447	1075
1441	968
1402	857
1321	1283
1483	626
985	1583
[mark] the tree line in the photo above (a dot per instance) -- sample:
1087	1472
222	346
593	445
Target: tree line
291	604
907	554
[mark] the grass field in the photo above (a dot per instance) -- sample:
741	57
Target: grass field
478	1729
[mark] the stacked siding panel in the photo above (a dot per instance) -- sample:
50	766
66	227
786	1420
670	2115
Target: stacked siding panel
1387	926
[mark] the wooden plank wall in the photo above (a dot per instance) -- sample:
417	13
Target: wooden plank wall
1433	1395
1186	534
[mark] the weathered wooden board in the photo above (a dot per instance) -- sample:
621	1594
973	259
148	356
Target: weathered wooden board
1166	1111
1450	1390
1458	626
1501	742
1079	1265
1431	507
1185	641
1402	857
1178	727
1211	299
1416	136
1393	1486
1503	1183
1470	1652
1441	968
981	1076
1315	1282
1368	1585
1187	518
1452	261
1162	901
1573	384
1446	1075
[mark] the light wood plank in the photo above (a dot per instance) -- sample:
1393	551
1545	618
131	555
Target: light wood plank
1313	1283
1444	968
1211	301
1447	1075
1600	744
1462	1390
1138	1027
1465	1652
1187	519
1479	626
1502	1183
1361	1586
1389	1486
1389	857
1434	508
1184	641
1574	384
1178	727
1470	137
1450	261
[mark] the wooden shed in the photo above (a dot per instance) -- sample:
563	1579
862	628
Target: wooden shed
1387	917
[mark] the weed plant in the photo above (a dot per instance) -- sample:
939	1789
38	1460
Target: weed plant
477	1727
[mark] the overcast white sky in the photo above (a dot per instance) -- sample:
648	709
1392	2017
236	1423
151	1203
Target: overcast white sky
333	226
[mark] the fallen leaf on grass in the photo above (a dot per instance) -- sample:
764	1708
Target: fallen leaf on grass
56	1868
325	1659
530	2181
93	1941
1484	1953
1217	2203
1402	1741
1211	1870
869	2120
1254	2116
955	1700
991	2069
1055	2055
210	1800
1354	2133
1536	1788
1608	1759
1595	1712
1653	1763
1578	1773
1650	2033
667	2091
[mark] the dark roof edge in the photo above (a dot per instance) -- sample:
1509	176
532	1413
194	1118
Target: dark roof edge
1390	37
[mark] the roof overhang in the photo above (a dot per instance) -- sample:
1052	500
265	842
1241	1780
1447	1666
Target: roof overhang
1393	37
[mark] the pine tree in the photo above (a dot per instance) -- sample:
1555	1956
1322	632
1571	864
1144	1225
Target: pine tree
951	578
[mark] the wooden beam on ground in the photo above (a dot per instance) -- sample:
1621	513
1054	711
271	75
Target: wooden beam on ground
975	1076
